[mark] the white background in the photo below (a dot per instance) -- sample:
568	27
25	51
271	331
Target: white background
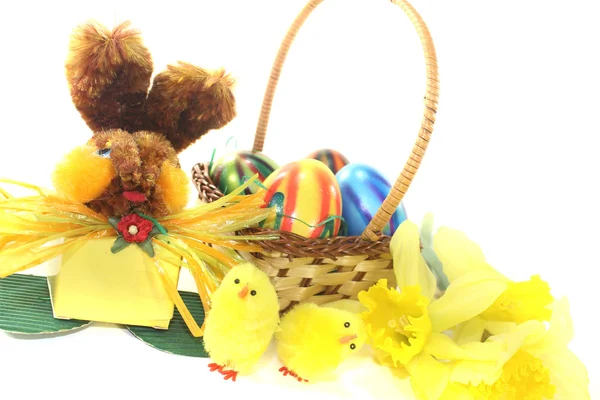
513	160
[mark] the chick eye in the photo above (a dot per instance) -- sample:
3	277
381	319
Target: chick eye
253	293
352	346
347	325
104	153
237	281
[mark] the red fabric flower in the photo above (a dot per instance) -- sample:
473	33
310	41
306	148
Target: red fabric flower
134	228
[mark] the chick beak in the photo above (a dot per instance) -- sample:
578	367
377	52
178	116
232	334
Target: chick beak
242	293
346	339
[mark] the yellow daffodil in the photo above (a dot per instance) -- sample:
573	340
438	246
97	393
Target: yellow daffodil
520	302
405	326
535	364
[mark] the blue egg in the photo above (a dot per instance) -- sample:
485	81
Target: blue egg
363	192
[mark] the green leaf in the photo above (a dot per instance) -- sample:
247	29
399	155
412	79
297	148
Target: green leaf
25	307
114	222
147	247
155	231
431	258
435	265
177	339
119	245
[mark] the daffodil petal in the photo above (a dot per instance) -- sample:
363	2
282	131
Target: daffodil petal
561	324
475	372
512	339
469	331
498	327
457	392
428	377
557	336
458	253
567	374
528	357
522	301
409	266
443	348
465	298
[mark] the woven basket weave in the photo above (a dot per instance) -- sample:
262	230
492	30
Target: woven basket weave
326	270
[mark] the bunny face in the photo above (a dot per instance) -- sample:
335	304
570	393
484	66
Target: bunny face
130	164
117	173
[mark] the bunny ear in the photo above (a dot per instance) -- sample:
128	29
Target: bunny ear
109	74
186	102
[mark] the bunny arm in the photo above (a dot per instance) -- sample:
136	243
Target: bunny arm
186	101
109	73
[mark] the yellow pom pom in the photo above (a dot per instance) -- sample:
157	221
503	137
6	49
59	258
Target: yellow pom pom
174	185
83	175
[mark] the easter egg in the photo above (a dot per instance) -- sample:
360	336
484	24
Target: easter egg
307	199
363	192
333	159
234	169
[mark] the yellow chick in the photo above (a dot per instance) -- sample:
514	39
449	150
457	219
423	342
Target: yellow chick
242	320
312	341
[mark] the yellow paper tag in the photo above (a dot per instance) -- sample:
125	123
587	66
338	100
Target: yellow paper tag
124	288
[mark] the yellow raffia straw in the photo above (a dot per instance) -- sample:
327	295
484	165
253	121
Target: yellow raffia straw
4	194
171	289
202	237
40	191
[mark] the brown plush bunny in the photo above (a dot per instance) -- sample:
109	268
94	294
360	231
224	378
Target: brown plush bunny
130	163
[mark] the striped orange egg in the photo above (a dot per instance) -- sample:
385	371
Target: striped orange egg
332	158
306	196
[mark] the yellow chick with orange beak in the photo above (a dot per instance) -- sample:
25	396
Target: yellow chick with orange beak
312	341
242	320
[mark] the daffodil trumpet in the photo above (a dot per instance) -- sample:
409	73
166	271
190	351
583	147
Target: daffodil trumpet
37	228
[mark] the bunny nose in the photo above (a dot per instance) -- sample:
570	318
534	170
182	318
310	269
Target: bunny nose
244	292
135	197
346	339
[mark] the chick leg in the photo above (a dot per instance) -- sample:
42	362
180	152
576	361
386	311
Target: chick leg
227	373
287	372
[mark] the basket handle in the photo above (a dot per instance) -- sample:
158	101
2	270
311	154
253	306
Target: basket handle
393	199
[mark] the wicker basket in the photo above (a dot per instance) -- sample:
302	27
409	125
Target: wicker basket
326	270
